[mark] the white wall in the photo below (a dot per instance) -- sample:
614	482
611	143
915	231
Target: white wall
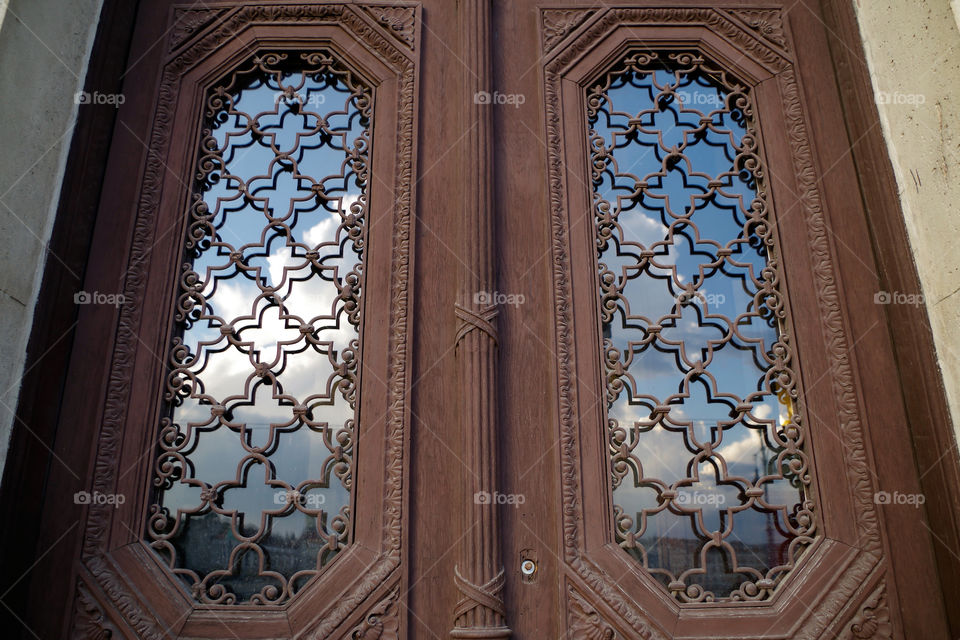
44	47
913	52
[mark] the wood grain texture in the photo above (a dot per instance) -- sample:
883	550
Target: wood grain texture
479	574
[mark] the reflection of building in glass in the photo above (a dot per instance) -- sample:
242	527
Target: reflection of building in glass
209	541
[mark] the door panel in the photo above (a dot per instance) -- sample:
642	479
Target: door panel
482	466
164	299
709	32
846	582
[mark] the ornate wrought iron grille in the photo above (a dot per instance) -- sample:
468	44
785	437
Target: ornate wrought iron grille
712	488
255	464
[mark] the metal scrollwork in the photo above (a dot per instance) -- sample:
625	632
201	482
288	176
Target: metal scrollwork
255	467
711	479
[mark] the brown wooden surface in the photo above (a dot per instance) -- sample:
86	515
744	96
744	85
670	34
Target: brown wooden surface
898	395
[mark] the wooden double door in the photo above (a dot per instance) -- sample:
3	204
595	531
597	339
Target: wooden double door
485	319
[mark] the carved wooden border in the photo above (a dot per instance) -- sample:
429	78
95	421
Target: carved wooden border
98	568
869	565
91	622
557	24
873	618
189	22
767	23
583	619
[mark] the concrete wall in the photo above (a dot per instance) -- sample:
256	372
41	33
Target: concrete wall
913	52
44	47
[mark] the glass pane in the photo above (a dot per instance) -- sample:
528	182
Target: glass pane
255	467
711	485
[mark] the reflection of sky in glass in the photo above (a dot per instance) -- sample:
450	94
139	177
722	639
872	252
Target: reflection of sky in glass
701	434
256	467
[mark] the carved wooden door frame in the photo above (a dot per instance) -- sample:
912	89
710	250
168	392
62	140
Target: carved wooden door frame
398	583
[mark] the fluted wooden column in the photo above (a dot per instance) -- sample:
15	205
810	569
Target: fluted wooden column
479	574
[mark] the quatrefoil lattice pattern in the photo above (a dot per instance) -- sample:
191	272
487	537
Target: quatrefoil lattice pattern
255	468
712	486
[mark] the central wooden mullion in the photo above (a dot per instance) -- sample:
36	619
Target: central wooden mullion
479	574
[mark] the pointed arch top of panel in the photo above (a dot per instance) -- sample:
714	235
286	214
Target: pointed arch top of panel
749	41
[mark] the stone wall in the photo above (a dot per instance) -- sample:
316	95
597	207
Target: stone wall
44	47
913	52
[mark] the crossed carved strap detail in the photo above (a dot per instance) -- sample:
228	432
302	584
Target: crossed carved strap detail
486	595
481	319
